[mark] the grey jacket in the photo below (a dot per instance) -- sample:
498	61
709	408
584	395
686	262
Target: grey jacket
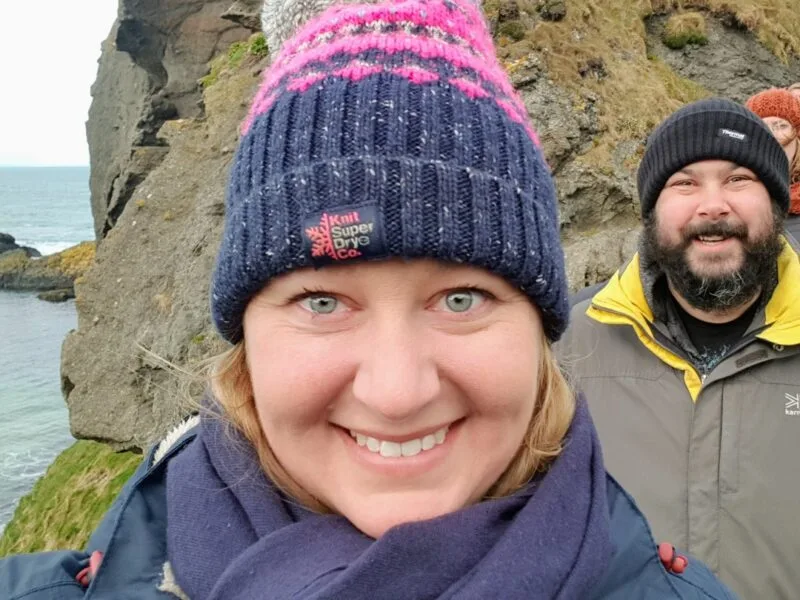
792	227
713	461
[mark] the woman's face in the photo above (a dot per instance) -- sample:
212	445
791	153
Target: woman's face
785	133
393	391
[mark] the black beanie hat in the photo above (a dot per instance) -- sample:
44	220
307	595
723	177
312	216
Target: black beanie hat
712	129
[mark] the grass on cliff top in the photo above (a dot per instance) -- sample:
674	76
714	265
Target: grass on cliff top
685	28
600	47
68	502
255	46
776	23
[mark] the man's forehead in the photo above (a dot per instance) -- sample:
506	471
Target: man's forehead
711	166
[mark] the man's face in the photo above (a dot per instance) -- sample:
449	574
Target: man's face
715	234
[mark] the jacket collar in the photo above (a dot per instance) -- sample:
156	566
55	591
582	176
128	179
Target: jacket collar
627	296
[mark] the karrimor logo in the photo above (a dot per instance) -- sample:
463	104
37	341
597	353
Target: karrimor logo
792	404
344	234
736	135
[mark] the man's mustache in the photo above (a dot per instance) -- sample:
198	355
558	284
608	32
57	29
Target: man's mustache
724	229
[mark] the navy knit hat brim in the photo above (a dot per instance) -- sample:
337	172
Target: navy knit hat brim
425	209
713	129
390	130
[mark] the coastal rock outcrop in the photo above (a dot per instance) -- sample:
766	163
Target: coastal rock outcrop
148	74
8	244
595	79
20	272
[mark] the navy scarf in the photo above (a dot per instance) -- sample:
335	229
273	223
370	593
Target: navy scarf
232	536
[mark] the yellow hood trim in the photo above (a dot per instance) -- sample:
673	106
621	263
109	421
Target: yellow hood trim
782	314
622	302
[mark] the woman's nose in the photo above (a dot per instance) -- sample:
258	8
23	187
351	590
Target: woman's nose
397	375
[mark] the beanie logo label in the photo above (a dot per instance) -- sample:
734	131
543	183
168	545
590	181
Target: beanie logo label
736	135
345	234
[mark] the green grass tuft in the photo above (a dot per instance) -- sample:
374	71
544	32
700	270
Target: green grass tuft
69	501
685	28
255	46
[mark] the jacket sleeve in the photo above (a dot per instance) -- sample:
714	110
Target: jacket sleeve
43	576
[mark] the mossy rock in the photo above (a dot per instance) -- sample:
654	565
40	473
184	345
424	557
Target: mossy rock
68	502
14	260
238	52
74	261
514	30
685	28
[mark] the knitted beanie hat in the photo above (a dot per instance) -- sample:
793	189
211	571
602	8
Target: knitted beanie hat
712	129
389	130
776	102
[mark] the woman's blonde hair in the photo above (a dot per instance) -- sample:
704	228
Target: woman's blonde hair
543	441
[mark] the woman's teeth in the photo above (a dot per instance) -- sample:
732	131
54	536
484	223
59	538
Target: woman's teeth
397	449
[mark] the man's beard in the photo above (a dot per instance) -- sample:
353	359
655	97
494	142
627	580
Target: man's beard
715	293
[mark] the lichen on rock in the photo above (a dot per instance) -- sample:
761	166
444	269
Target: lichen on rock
20	272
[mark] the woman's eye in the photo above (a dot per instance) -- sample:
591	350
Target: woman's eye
320	304
460	301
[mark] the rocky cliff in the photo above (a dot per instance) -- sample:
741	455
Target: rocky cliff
595	76
148	73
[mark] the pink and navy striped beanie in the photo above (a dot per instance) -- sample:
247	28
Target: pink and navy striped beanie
389	130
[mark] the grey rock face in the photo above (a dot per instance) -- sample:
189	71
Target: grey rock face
148	74
246	13
733	64
143	316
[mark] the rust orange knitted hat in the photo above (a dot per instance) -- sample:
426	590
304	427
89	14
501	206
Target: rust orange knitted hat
776	102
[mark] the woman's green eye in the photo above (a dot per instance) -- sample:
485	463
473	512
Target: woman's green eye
321	305
462	300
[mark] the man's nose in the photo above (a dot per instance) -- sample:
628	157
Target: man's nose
713	204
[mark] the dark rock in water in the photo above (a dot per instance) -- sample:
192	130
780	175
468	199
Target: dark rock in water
9	244
57	295
31	252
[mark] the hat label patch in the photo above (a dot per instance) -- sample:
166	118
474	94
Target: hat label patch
347	233
736	135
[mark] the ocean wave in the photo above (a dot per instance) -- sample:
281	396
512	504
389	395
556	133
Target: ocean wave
18	472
